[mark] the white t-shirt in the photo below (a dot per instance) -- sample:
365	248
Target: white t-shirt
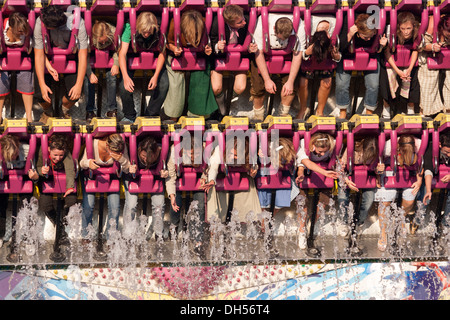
276	43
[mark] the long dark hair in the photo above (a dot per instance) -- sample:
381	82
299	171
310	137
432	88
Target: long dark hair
322	45
151	147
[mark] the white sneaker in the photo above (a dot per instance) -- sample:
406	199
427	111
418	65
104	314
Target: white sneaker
386	114
410	110
302	240
343	229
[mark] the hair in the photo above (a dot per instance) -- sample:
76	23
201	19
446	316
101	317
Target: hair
19	22
57	141
147	22
321	140
100	29
192	27
361	23
322	45
115	142
53	16
444	139
444	24
406	150
151	147
405	17
231	13
368	146
10	145
284	27
287	154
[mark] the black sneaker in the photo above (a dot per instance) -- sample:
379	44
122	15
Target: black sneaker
89	116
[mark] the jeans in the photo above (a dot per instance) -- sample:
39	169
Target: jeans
371	81
88	210
111	89
130	208
195	229
367	198
158	96
445	218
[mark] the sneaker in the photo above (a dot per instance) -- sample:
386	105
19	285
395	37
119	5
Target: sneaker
89	116
112	113
386	114
410	110
343	229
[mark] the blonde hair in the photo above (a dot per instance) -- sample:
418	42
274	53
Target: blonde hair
10	146
192	27
115	142
321	140
100	29
406	150
231	13
284	27
147	22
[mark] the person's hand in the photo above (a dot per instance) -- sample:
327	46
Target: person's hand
69	191
93	165
270	86
416	186
153	83
208	50
115	156
335	54
253	171
32	174
75	92
45	170
206	186
300	176
309	50
46	92
177	51
353	30
351	185
446	178
115	70
383	40
435	47
52	71
128	84
288	89
427	197
331	174
380	168
133	168
252	48
164	173
221	45
93	78
173	203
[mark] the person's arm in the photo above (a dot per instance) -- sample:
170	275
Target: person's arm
69	169
153	83
316	168
77	89
288	87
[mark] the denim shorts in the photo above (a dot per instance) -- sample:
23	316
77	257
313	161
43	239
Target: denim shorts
282	198
389	195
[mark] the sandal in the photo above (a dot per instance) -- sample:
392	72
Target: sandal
413	227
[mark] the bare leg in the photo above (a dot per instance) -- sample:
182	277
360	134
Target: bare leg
303	97
28	103
322	95
382	240
2	103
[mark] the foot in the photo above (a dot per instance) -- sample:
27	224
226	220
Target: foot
302	240
382	242
413	227
112	113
